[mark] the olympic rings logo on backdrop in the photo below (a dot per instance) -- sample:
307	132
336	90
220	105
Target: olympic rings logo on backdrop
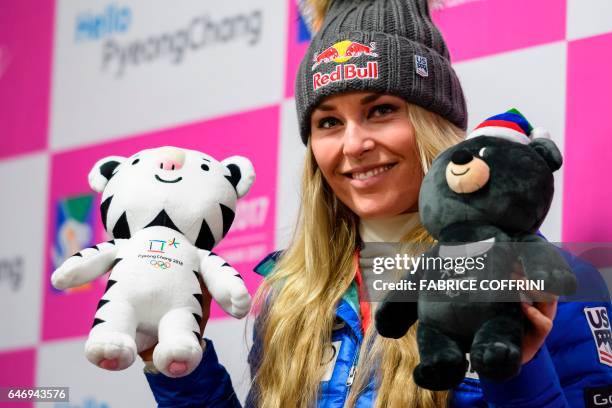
160	264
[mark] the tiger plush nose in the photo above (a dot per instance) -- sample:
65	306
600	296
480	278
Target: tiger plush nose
170	158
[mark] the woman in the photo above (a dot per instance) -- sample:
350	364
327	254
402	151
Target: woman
377	100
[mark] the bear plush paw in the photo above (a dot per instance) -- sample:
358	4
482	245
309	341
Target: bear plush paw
390	322
496	360
442	371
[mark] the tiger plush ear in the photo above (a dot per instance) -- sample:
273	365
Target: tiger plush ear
241	173
102	171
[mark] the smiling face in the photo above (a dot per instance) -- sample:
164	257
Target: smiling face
365	146
182	189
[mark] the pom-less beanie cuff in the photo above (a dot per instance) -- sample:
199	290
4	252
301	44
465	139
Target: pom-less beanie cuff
409	62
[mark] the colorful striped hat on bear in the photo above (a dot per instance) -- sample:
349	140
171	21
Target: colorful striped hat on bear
511	126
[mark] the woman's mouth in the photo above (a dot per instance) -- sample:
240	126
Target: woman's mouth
364	175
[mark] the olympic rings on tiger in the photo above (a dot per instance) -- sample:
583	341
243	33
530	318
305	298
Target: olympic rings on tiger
160	264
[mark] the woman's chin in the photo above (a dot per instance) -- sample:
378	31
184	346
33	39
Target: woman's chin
373	208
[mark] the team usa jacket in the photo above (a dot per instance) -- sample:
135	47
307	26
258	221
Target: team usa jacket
573	369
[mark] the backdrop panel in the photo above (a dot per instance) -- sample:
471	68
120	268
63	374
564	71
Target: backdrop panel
26	29
134	66
22	216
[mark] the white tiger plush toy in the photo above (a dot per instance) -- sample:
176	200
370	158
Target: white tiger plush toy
166	208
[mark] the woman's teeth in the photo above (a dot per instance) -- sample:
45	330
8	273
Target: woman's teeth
371	173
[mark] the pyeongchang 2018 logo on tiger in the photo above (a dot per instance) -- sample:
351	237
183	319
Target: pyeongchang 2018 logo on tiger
340	53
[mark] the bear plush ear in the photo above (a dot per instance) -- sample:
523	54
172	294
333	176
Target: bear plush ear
549	152
102	171
242	173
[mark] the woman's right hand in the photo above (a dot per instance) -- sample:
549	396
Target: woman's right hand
147	355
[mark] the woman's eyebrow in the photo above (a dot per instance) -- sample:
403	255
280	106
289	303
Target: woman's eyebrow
364	101
370	98
325	107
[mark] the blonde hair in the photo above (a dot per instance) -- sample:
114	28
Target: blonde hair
300	296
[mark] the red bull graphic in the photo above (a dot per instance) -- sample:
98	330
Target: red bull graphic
340	53
327	55
356	49
345	72
343	51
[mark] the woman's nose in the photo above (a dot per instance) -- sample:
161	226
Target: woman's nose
357	140
170	158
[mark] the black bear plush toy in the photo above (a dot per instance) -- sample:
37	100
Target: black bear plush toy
486	196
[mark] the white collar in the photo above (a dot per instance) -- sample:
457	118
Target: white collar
387	229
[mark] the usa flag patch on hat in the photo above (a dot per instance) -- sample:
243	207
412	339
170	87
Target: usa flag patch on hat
511	126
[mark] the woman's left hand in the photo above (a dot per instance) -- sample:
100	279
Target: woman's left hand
540	316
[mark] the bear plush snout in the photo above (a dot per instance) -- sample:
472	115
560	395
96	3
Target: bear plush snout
466	173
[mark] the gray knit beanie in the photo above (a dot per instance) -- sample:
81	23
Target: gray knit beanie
386	46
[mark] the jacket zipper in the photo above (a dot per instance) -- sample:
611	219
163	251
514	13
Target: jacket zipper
351	376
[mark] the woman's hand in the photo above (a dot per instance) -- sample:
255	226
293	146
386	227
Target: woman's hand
147	355
540	318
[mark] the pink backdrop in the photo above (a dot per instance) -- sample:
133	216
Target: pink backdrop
26	33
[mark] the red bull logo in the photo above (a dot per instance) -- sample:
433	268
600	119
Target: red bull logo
345	72
340	53
343	51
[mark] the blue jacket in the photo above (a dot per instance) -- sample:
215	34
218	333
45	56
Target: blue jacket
569	370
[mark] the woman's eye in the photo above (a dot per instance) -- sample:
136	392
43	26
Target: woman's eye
481	152
328	123
382	110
